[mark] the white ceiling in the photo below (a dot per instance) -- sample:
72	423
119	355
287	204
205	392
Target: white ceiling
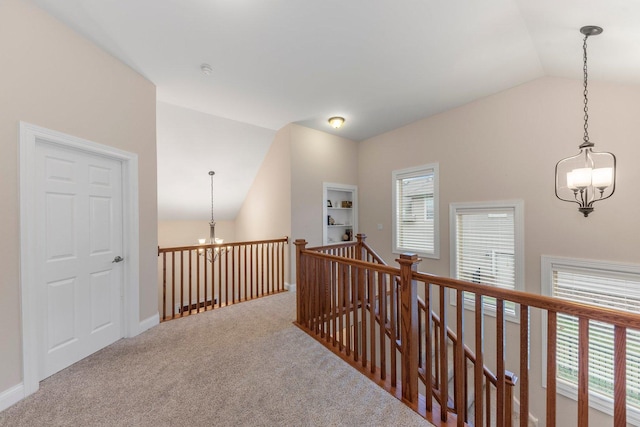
379	63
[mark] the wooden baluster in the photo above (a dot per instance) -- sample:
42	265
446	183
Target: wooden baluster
393	310
181	283
488	400
510	382
164	286
173	285
282	255
349	302
226	275
620	377
206	265
436	352
341	302
552	337
250	274
313	285
322	296
371	300
329	302
262	270
428	337
420	338
335	302
459	362
318	294
524	365
234	288
355	300
272	269
219	282
465	400
444	368
382	315
478	367
583	372
190	280
500	363
244	259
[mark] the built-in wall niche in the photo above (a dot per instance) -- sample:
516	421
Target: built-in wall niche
340	213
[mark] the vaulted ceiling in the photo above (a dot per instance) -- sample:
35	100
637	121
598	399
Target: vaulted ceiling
379	63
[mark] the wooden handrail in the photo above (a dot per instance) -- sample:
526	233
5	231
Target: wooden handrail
591	312
219	274
220	245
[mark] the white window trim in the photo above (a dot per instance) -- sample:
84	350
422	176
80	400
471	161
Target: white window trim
518	218
548	264
427	168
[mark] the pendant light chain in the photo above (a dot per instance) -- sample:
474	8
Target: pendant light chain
586	92
211	174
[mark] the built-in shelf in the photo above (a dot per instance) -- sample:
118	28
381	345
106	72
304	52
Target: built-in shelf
345	218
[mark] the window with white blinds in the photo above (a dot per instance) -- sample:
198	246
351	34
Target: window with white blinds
606	285
487	248
415	210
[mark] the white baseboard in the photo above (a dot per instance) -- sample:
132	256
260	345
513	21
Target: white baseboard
149	323
290	287
11	396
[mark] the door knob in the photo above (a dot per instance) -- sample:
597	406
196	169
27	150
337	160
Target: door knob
117	259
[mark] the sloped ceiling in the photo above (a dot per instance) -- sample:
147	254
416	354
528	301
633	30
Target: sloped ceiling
380	64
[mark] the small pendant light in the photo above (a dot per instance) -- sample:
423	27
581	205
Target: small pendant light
587	177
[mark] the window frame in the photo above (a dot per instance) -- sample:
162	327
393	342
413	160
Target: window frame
550	264
427	169
518	246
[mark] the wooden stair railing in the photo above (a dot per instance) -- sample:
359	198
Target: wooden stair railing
203	277
369	314
336	324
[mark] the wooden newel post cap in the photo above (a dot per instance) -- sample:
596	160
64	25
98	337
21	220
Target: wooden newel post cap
300	242
408	258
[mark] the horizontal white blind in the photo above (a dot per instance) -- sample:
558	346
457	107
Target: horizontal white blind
485	249
605	289
415	211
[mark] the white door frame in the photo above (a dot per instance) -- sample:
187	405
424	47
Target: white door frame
29	135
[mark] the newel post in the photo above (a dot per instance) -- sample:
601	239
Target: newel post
301	285
360	237
409	326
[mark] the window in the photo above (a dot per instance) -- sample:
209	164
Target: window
487	247
415	211
606	285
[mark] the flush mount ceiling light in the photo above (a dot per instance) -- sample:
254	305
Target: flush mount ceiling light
336	122
206	69
587	177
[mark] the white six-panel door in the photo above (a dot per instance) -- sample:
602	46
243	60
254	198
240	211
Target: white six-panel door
79	234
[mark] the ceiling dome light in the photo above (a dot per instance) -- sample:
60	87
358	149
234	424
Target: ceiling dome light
206	69
336	122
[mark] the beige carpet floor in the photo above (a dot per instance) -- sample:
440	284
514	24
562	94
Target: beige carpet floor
243	365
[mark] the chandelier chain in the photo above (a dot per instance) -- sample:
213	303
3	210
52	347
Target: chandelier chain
211	174
585	92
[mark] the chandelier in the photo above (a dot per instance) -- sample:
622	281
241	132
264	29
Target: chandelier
587	177
211	253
